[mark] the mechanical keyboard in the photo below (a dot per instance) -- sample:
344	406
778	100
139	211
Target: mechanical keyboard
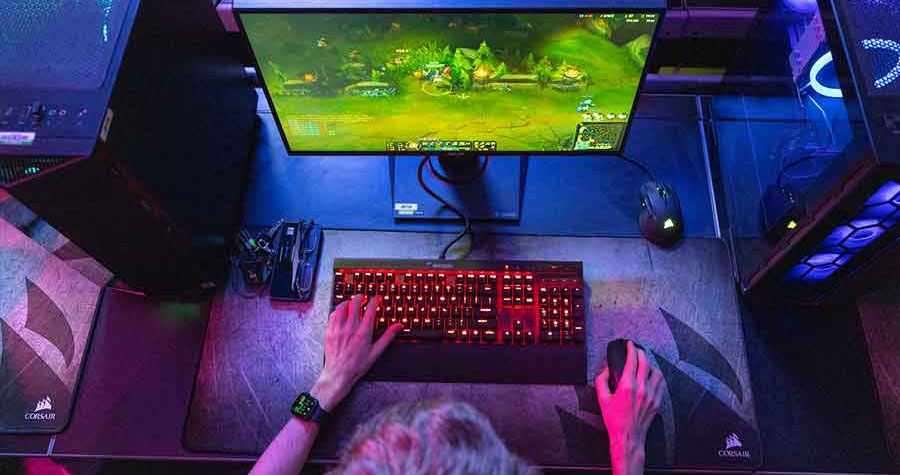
474	321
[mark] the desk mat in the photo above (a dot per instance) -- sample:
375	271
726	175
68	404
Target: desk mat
681	303
47	310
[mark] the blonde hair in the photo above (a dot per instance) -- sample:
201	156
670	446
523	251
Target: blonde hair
435	437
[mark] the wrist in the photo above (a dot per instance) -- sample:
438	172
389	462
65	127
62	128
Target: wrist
328	392
627	458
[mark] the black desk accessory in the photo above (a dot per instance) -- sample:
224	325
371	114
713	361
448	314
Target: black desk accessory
296	261
253	256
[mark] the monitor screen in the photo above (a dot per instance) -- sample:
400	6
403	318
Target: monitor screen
504	82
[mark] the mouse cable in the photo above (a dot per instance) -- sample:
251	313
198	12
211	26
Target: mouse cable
468	224
639	165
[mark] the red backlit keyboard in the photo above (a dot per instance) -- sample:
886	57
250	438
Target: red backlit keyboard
474	321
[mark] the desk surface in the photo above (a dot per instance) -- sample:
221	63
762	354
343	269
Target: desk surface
258	354
584	195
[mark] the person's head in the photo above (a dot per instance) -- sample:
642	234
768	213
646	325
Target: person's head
436	437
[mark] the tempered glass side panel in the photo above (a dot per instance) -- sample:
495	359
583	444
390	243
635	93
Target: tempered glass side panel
785	133
36	38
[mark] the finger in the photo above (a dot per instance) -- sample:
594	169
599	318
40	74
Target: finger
629	370
340	312
368	322
643	370
354	310
379	346
602	384
656	384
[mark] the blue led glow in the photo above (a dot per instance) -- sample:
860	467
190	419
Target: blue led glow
798	271
862	237
814	82
879	213
837	236
884	194
822	272
889	45
820	259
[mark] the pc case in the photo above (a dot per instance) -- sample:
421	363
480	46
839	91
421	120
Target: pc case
807	136
128	126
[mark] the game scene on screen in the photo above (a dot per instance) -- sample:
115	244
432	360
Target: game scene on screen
392	82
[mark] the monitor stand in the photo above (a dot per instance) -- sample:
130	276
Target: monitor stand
484	188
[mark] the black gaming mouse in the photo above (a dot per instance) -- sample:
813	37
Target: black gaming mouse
616	354
660	220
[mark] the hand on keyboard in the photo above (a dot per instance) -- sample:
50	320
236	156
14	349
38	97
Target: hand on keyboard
349	349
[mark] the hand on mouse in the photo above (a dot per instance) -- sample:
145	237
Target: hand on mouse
349	350
629	411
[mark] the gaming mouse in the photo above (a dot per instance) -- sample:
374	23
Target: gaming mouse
660	219
616	354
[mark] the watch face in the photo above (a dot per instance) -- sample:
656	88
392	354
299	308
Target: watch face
305	406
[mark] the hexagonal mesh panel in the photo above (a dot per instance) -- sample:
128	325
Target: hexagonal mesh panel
879	213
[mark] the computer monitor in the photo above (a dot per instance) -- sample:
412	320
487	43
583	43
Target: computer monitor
501	81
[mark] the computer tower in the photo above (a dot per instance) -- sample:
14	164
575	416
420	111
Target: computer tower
128	126
814	101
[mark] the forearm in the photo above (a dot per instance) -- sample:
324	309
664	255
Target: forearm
287	453
627	459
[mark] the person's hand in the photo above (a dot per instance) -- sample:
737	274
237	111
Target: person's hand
629	411
349	350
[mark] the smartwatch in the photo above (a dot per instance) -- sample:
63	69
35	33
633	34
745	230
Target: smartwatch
307	408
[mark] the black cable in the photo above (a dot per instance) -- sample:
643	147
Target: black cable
792	165
639	165
468	225
451	181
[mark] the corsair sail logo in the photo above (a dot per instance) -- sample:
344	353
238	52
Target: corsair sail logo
43	405
42	411
734	448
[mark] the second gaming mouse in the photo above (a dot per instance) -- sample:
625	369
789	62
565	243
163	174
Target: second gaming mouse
616	355
660	219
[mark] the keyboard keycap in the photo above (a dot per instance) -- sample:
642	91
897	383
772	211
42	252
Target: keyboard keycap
487	312
486	322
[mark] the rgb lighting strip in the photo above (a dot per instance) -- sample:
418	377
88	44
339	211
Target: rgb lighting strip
879	213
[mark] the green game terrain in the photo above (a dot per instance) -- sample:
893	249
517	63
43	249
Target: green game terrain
355	82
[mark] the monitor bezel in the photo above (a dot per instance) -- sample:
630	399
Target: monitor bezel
239	12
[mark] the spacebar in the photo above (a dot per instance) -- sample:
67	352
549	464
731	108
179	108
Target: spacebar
420	335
